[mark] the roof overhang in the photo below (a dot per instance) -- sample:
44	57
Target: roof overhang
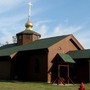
12	55
9	55
66	58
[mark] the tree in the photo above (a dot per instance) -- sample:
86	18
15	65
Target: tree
14	39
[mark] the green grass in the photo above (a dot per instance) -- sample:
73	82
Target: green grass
15	85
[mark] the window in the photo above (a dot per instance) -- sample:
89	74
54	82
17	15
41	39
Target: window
37	66
27	36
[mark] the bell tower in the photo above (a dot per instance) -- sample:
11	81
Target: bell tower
28	35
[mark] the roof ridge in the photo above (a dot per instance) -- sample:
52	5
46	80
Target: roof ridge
53	37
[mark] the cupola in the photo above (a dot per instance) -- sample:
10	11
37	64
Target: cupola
28	35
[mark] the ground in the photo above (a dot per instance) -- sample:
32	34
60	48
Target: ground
15	85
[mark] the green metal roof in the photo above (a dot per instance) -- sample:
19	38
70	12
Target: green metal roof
66	58
38	44
79	54
8	46
29	32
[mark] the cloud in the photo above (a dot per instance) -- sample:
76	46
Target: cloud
42	22
6	5
78	31
13	23
10	20
58	30
6	37
85	42
84	38
66	21
80	34
43	30
42	27
62	30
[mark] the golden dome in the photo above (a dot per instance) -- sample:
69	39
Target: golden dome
28	25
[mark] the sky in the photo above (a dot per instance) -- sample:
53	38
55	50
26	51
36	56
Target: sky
49	17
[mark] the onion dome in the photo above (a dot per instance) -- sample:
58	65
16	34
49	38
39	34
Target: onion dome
28	25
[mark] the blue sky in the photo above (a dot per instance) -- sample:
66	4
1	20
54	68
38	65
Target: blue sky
49	17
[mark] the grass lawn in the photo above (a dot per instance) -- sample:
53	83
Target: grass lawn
15	85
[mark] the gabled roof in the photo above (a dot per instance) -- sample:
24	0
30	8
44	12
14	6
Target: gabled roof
80	54
29	32
66	58
38	44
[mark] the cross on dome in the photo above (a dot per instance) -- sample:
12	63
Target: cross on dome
29	24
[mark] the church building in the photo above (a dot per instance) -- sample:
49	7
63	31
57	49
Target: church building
60	59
